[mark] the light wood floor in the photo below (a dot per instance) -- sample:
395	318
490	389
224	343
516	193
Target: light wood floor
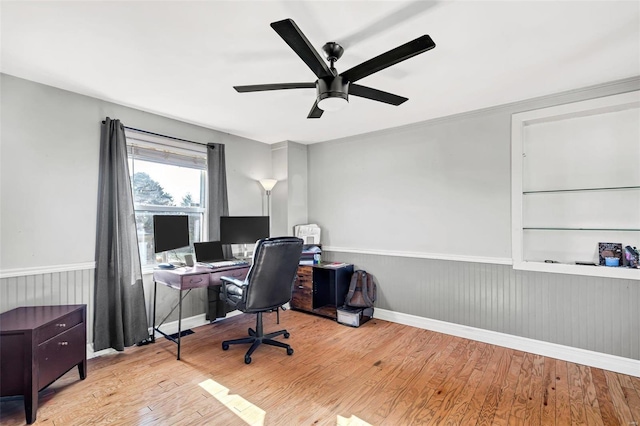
382	373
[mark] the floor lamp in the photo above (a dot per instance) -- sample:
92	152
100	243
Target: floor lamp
268	185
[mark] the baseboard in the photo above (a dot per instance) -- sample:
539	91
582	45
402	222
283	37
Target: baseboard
615	363
167	328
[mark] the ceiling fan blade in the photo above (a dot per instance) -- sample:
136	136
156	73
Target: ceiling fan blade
376	95
315	112
291	34
274	86
392	57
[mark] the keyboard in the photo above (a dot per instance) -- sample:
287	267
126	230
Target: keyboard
224	263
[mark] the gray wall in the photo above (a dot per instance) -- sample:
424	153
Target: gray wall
289	197
48	184
297	203
388	201
49	170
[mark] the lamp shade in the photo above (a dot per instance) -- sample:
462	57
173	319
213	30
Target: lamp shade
334	103
268	184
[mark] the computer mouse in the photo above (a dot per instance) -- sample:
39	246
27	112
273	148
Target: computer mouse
165	266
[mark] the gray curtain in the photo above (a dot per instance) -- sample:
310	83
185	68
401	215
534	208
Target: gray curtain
218	206
120	314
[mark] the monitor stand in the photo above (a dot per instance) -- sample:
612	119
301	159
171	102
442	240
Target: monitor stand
244	253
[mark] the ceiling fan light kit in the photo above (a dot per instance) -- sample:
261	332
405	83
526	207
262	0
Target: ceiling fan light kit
333	93
333	89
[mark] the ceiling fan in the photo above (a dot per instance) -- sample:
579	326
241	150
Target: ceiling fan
333	89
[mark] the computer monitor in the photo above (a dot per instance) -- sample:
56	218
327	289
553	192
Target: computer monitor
243	229
170	232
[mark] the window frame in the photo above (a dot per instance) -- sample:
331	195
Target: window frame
142	146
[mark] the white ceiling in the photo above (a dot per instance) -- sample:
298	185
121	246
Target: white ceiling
181	59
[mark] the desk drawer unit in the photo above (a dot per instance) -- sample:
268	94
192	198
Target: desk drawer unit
238	274
302	294
193	281
61	325
58	354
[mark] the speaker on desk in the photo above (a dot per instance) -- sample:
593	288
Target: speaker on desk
188	259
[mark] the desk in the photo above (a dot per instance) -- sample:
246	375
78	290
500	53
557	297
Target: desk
186	279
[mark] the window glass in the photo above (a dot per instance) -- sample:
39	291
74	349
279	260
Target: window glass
165	183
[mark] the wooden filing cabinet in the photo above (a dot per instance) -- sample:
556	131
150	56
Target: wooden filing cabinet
302	294
320	289
38	344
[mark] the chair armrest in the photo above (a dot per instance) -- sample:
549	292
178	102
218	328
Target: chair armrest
234	281
232	286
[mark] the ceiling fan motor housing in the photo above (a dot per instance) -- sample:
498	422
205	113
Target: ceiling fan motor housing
334	87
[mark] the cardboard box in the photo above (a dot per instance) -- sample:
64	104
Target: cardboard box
354	317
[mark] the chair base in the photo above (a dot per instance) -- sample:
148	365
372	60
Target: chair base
257	337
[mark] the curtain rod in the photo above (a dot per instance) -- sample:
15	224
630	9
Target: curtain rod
163	136
159	134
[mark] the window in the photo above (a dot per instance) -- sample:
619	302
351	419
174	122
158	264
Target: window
167	177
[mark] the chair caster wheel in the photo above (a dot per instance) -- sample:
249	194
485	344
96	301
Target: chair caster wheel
225	346
247	359
286	335
289	351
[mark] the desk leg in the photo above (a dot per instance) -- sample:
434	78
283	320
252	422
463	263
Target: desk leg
153	327
179	323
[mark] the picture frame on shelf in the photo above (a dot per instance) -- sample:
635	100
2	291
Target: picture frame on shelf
609	251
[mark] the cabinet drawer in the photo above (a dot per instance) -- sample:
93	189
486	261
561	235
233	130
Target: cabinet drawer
238	274
194	281
302	284
59	354
305	272
302	299
304	279
60	325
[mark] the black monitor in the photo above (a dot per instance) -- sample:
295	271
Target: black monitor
170	232
243	229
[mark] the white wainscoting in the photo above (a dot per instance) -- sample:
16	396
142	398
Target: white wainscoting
68	285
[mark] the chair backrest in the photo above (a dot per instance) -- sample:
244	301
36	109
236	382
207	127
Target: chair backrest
274	267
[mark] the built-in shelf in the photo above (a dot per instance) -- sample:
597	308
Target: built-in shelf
548	191
588	270
576	183
536	228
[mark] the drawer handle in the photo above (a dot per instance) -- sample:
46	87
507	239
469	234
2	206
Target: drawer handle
63	343
300	286
192	281
61	325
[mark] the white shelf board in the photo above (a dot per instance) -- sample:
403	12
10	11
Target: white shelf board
593	271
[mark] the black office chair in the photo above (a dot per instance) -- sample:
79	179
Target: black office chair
266	287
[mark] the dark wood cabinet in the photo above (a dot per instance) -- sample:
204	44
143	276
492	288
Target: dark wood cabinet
38	344
320	289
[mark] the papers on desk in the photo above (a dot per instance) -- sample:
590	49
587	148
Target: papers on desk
334	264
310	233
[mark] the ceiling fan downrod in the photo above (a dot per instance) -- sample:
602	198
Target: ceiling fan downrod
333	51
